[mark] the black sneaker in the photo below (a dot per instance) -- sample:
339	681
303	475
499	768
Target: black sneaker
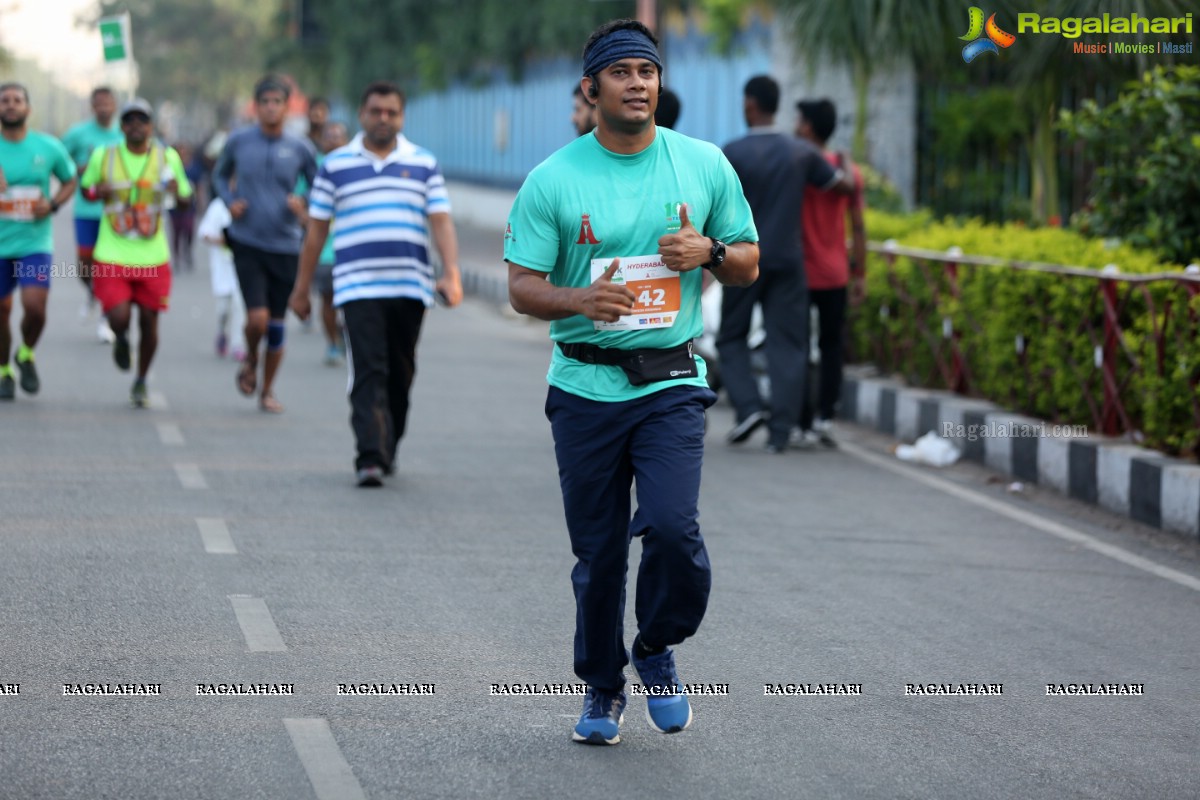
121	353
29	377
8	387
370	477
744	429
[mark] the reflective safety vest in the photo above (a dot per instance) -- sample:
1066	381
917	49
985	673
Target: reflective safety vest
135	208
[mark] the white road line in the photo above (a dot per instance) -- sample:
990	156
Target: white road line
328	771
215	534
190	476
169	433
1056	529
158	400
257	626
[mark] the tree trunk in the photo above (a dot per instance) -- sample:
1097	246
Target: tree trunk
1043	159
862	91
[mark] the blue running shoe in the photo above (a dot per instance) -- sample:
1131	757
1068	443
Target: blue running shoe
600	722
667	707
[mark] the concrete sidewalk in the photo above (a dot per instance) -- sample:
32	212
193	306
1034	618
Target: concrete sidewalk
1114	474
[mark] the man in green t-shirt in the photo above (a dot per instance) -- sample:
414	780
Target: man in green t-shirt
132	179
28	159
98	132
605	240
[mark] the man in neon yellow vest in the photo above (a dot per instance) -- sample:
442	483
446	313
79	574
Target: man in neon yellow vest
133	267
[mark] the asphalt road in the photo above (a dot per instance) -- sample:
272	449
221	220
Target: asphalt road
202	542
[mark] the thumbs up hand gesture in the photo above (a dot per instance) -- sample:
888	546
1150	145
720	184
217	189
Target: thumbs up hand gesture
686	249
605	301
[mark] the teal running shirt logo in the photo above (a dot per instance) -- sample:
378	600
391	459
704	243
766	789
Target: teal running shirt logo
983	38
673	222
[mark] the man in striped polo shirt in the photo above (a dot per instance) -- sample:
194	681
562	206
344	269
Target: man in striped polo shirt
388	195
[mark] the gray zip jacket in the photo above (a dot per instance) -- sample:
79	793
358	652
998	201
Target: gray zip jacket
264	171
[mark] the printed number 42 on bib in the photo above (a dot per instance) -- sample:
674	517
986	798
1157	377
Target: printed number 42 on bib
656	293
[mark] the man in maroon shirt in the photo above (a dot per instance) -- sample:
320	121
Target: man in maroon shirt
829	268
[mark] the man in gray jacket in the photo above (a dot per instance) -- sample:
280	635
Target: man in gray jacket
256	176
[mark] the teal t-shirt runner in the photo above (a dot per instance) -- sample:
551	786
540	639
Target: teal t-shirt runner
585	205
28	165
80	141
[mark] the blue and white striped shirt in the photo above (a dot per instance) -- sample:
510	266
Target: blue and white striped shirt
382	205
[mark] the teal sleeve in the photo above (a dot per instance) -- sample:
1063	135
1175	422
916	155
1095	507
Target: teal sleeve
531	238
64	167
68	142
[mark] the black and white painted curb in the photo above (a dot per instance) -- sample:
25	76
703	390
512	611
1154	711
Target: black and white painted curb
486	283
1118	476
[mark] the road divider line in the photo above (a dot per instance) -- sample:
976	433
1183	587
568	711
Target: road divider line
158	400
169	433
328	771
190	476
215	534
258	628
1056	529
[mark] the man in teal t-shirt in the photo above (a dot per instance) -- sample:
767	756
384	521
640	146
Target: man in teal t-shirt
606	239
93	134
28	159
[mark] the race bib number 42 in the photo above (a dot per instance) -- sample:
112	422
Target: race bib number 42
656	294
17	203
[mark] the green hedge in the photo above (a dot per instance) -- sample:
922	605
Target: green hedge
900	325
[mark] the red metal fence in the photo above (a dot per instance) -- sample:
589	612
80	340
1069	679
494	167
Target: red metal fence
1119	352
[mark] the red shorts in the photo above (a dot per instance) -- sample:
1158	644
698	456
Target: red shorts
148	287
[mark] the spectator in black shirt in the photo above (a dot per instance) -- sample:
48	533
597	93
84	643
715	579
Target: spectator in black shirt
774	168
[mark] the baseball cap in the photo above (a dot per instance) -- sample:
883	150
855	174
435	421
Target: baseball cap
137	105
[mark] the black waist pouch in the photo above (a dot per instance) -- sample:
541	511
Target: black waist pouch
640	366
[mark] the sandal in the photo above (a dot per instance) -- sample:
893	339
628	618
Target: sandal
269	405
247	378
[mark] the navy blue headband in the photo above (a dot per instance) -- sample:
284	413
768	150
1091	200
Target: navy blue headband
618	45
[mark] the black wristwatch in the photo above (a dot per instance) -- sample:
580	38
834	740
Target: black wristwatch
54	207
716	256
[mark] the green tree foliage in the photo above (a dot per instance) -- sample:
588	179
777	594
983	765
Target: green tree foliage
1146	189
429	43
870	37
1046	66
194	49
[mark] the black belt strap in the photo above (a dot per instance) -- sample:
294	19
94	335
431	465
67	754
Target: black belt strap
612	357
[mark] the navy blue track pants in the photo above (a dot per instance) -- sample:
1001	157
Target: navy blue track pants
602	448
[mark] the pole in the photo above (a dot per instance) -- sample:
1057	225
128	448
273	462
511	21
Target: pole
130	64
647	14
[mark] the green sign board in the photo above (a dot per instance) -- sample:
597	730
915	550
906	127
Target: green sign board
113	36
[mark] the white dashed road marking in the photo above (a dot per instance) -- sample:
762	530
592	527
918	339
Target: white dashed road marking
215	534
328	771
169	433
190	476
257	626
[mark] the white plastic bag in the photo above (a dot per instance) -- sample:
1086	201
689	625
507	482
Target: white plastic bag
930	449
